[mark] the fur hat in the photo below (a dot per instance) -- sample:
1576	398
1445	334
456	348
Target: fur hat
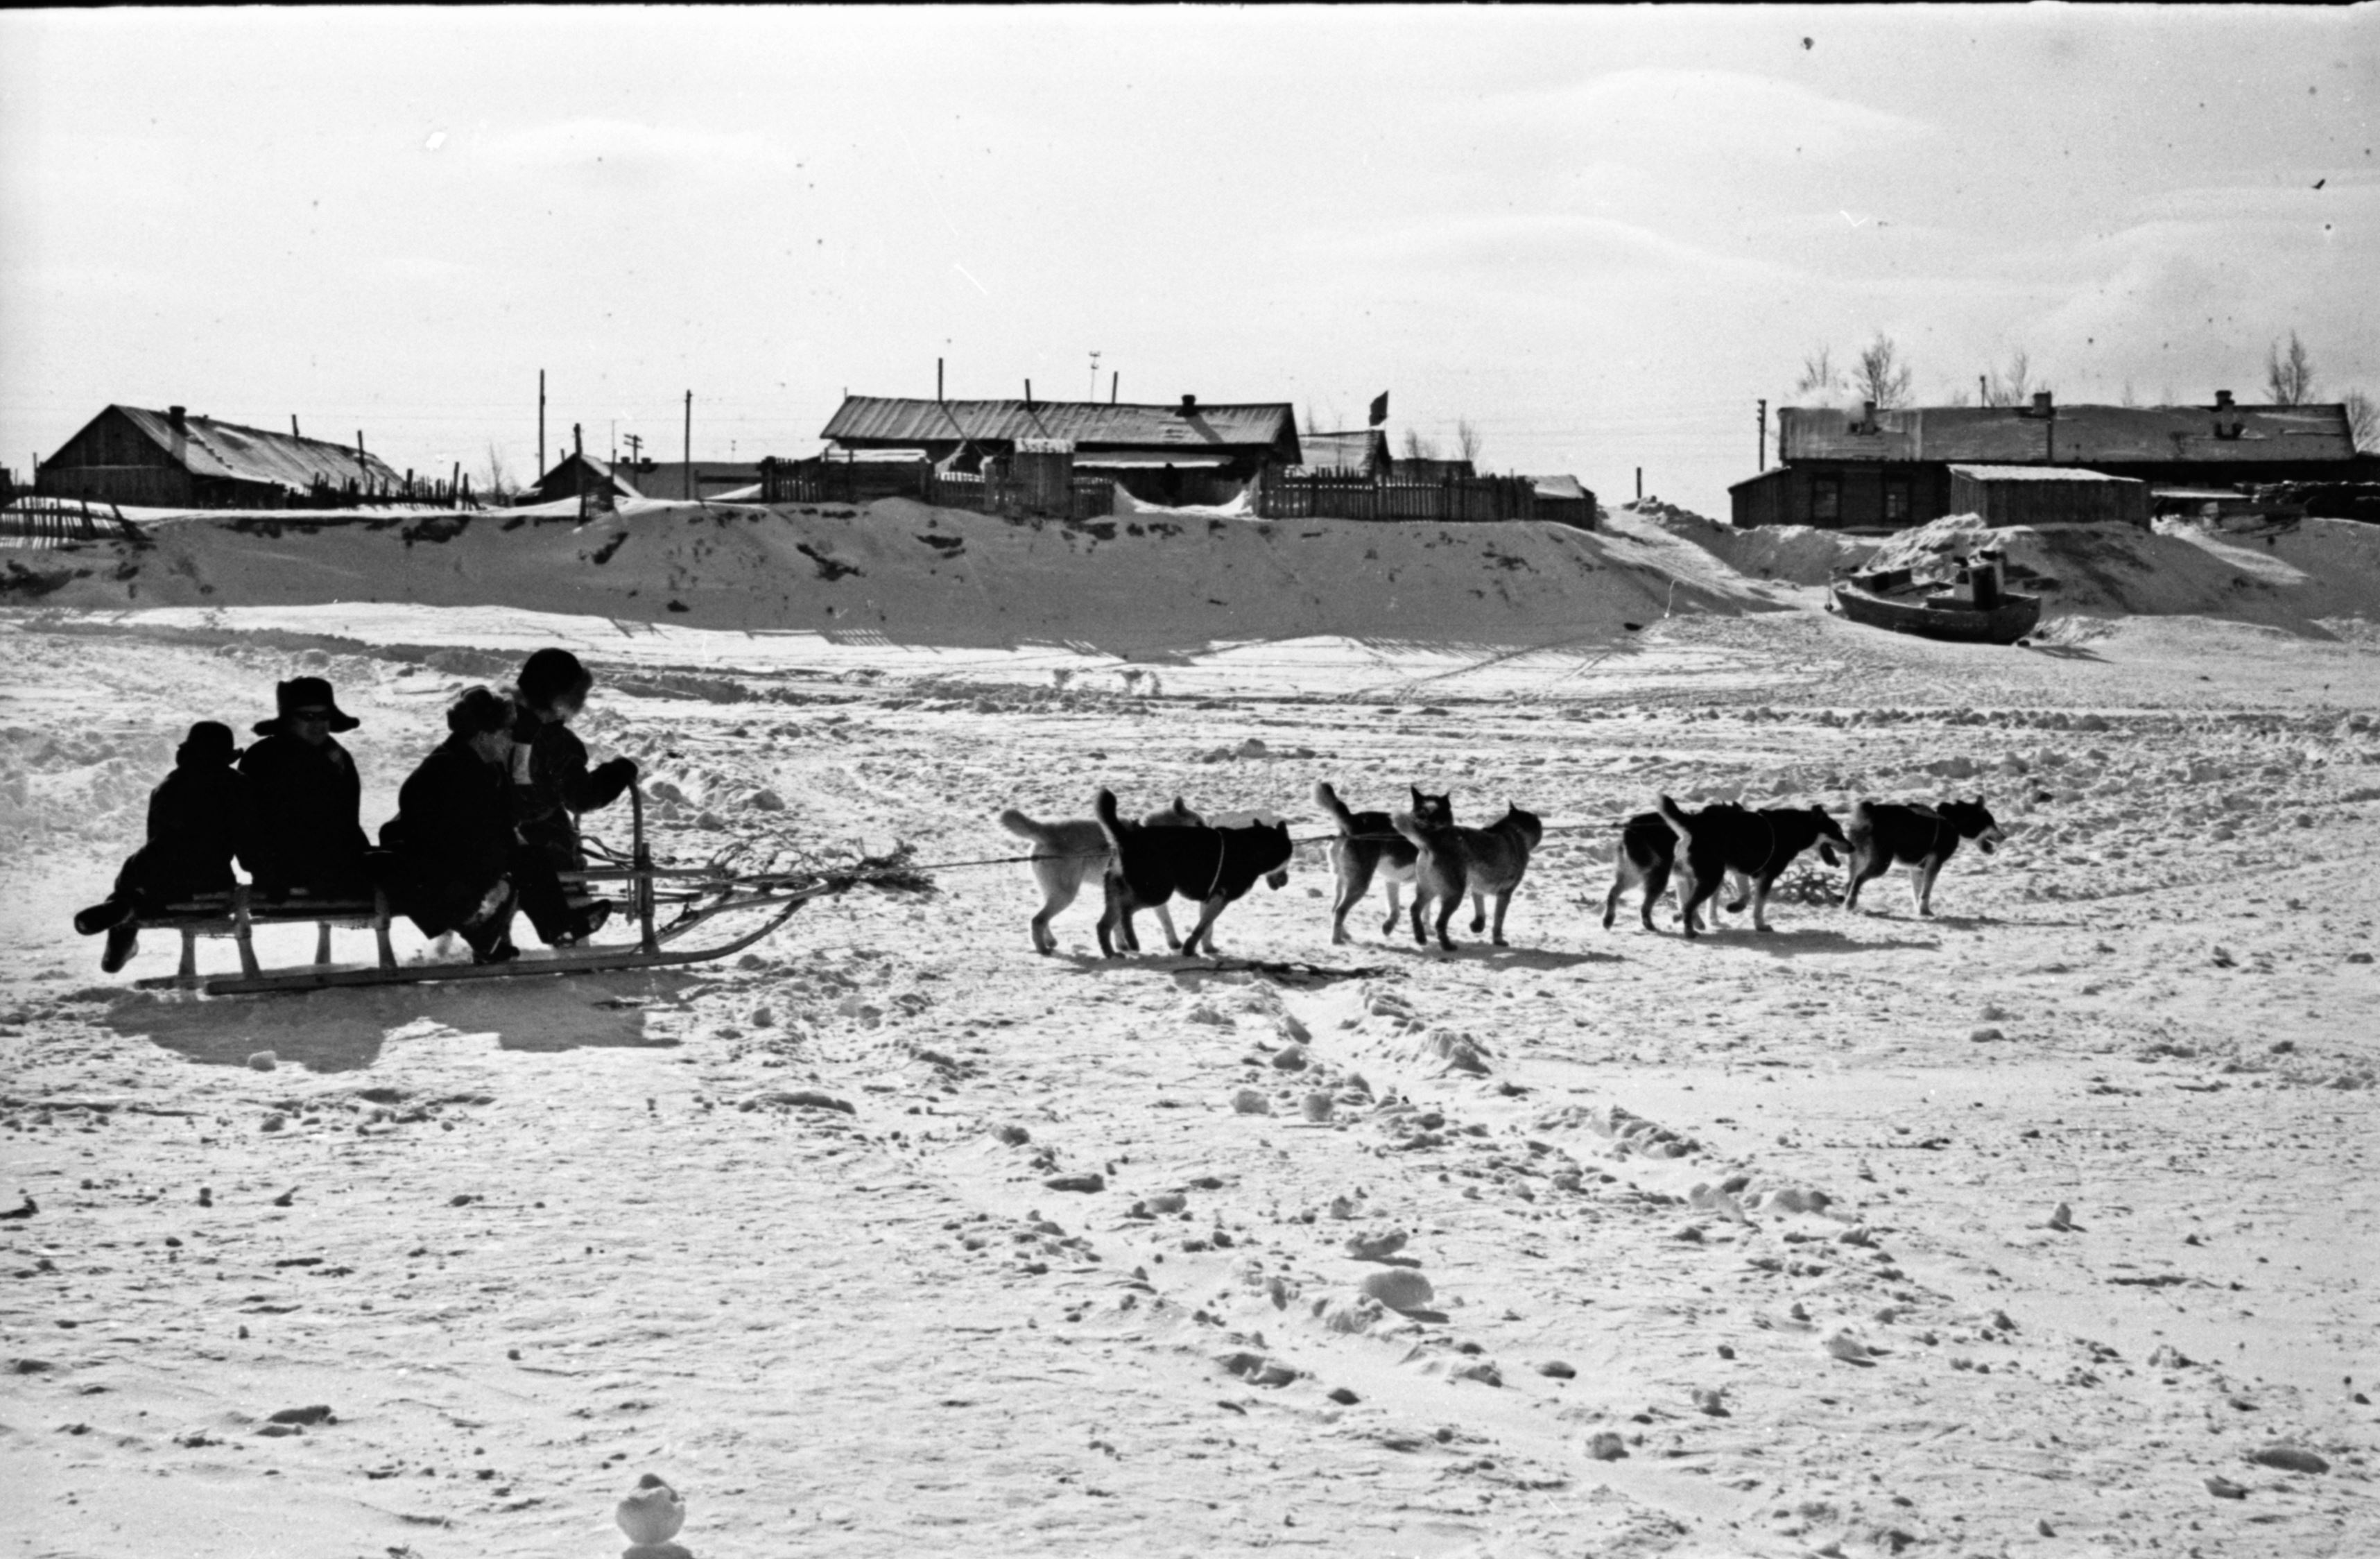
550	676
477	711
305	692
208	744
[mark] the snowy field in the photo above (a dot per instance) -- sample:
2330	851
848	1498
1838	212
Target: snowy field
1744	1246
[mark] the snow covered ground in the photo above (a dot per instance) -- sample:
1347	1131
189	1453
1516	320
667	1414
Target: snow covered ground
1746	1247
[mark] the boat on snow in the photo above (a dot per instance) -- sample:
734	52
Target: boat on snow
1977	610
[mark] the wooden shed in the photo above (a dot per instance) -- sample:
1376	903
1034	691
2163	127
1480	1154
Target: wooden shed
2005	496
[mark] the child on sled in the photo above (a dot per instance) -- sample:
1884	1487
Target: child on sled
199	819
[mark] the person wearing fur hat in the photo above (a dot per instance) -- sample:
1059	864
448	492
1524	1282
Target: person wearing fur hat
197	822
452	833
552	783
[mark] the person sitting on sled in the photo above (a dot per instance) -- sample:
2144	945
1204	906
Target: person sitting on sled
552	783
452	834
306	797
197	821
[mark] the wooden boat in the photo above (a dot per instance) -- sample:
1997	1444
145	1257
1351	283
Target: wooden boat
1895	601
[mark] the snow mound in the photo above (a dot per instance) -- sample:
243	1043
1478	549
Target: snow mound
900	570
2320	578
1797	554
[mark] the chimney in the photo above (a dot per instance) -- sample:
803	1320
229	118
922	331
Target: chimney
2222	400
1189	406
179	416
1867	414
2041	402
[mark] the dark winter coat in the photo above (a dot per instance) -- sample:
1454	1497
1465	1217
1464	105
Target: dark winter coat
551	782
197	821
453	834
306	835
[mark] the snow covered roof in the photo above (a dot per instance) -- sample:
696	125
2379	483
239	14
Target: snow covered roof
2094	434
2035	473
1360	450
207	447
880	419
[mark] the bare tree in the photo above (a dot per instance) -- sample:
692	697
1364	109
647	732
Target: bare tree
2128	398
2014	386
1883	376
499	480
1468	441
1418	447
2288	377
1958	395
1819	373
2362	421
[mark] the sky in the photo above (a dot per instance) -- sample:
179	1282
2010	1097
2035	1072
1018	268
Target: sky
1601	235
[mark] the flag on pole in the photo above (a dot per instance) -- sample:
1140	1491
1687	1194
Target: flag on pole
1380	409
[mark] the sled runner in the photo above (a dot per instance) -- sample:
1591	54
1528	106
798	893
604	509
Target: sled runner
696	895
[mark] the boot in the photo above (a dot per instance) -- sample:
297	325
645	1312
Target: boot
103	916
593	918
122	942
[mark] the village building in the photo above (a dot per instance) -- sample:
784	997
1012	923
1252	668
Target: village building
1874	469
669	481
1362	451
1186	453
173	460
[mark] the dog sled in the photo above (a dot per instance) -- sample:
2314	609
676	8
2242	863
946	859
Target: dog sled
666	904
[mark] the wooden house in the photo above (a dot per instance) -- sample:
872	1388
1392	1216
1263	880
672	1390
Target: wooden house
1875	470
173	460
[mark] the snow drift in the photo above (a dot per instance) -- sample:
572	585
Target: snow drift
909	573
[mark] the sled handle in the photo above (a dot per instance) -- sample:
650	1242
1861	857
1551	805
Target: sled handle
641	863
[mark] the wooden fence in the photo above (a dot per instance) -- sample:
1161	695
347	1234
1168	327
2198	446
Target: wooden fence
53	522
1352	495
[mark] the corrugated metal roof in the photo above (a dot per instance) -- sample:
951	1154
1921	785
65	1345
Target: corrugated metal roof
878	420
2036	473
211	449
2094	434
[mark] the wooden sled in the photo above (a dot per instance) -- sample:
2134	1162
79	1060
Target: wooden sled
697	894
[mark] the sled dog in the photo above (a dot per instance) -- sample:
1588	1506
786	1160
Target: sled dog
1066	855
1451	862
1213	866
1755	845
1921	838
1368	844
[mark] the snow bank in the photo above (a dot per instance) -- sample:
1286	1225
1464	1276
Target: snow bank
913	574
1796	553
2326	572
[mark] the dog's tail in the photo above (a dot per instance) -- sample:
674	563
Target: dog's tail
1680	824
1023	827
1327	799
1110	823
1410	826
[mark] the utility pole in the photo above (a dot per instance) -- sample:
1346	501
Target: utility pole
1640	484
1094	377
938	384
541	422
1983	391
689	444
1764	436
635	447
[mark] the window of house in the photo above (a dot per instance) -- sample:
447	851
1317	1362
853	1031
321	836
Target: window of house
1896	504
1827	500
